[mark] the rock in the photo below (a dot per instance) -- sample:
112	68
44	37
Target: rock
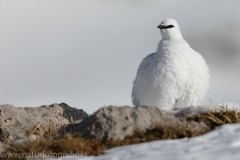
72	114
190	111
118	122
21	122
2	149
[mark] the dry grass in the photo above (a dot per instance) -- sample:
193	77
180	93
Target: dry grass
76	144
67	144
217	117
44	131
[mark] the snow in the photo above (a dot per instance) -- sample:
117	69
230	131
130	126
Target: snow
174	73
32	137
222	143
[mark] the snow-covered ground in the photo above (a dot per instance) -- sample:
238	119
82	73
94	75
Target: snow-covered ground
221	144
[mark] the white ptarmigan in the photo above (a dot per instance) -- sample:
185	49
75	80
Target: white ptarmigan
174	76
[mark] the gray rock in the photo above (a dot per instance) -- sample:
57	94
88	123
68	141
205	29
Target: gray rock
2	149
19	122
71	113
118	122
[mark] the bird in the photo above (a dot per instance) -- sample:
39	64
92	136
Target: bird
173	77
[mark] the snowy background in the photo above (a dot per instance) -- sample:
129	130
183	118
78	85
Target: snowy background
85	53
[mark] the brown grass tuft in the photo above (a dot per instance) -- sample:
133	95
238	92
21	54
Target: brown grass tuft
216	117
44	131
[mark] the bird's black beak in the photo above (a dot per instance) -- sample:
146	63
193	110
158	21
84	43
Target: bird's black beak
160	27
165	27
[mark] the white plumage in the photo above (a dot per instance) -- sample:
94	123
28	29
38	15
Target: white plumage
174	76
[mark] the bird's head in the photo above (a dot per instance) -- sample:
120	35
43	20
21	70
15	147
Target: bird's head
169	29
